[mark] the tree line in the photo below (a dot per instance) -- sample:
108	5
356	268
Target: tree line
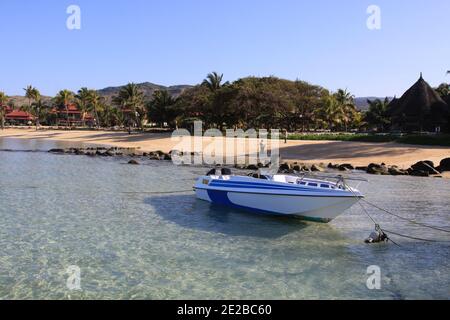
252	102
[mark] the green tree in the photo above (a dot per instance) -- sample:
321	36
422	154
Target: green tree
37	106
29	94
213	81
443	90
160	109
82	100
3	100
63	99
377	115
130	97
346	107
96	103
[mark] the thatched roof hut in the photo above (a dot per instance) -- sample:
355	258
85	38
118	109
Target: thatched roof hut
420	108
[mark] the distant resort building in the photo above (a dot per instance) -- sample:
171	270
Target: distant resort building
420	108
18	117
71	116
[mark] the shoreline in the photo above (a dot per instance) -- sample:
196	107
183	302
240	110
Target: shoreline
302	151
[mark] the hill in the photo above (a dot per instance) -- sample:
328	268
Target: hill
361	102
147	88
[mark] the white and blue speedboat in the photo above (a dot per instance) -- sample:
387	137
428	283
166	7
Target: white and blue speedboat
302	196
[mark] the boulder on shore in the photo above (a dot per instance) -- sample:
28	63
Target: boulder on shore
375	168
426	166
285	167
345	167
317	168
396	171
333	166
444	165
252	167
419	173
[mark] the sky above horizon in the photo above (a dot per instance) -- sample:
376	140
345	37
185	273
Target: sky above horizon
171	42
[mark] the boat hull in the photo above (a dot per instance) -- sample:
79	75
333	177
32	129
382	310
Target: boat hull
320	208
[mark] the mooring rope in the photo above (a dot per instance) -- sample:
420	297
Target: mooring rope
389	231
414	238
405	219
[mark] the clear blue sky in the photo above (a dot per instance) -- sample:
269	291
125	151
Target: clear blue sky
325	42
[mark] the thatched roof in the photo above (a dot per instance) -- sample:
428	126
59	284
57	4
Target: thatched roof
420	101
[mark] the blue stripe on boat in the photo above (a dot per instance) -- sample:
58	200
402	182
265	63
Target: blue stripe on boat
268	186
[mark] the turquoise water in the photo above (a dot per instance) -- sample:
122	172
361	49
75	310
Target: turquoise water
131	241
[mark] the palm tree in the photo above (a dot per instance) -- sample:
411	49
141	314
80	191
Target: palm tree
130	97
36	96
377	113
96	103
64	98
213	81
159	108
29	93
330	112
3	100
346	103
82	99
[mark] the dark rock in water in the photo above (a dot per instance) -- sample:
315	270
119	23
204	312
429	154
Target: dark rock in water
154	156
333	166
108	154
56	150
361	168
285	166
145	154
345	166
295	168
305	168
374	168
396	171
80	152
317	168
132	161
444	165
419	173
427	166
252	167
167	157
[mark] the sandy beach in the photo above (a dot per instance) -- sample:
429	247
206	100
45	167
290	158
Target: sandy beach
356	153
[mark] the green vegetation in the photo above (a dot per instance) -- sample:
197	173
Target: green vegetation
432	140
3	100
251	102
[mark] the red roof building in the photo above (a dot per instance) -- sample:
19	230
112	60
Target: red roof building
71	115
19	116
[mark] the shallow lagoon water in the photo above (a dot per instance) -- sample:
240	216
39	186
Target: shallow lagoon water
132	240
